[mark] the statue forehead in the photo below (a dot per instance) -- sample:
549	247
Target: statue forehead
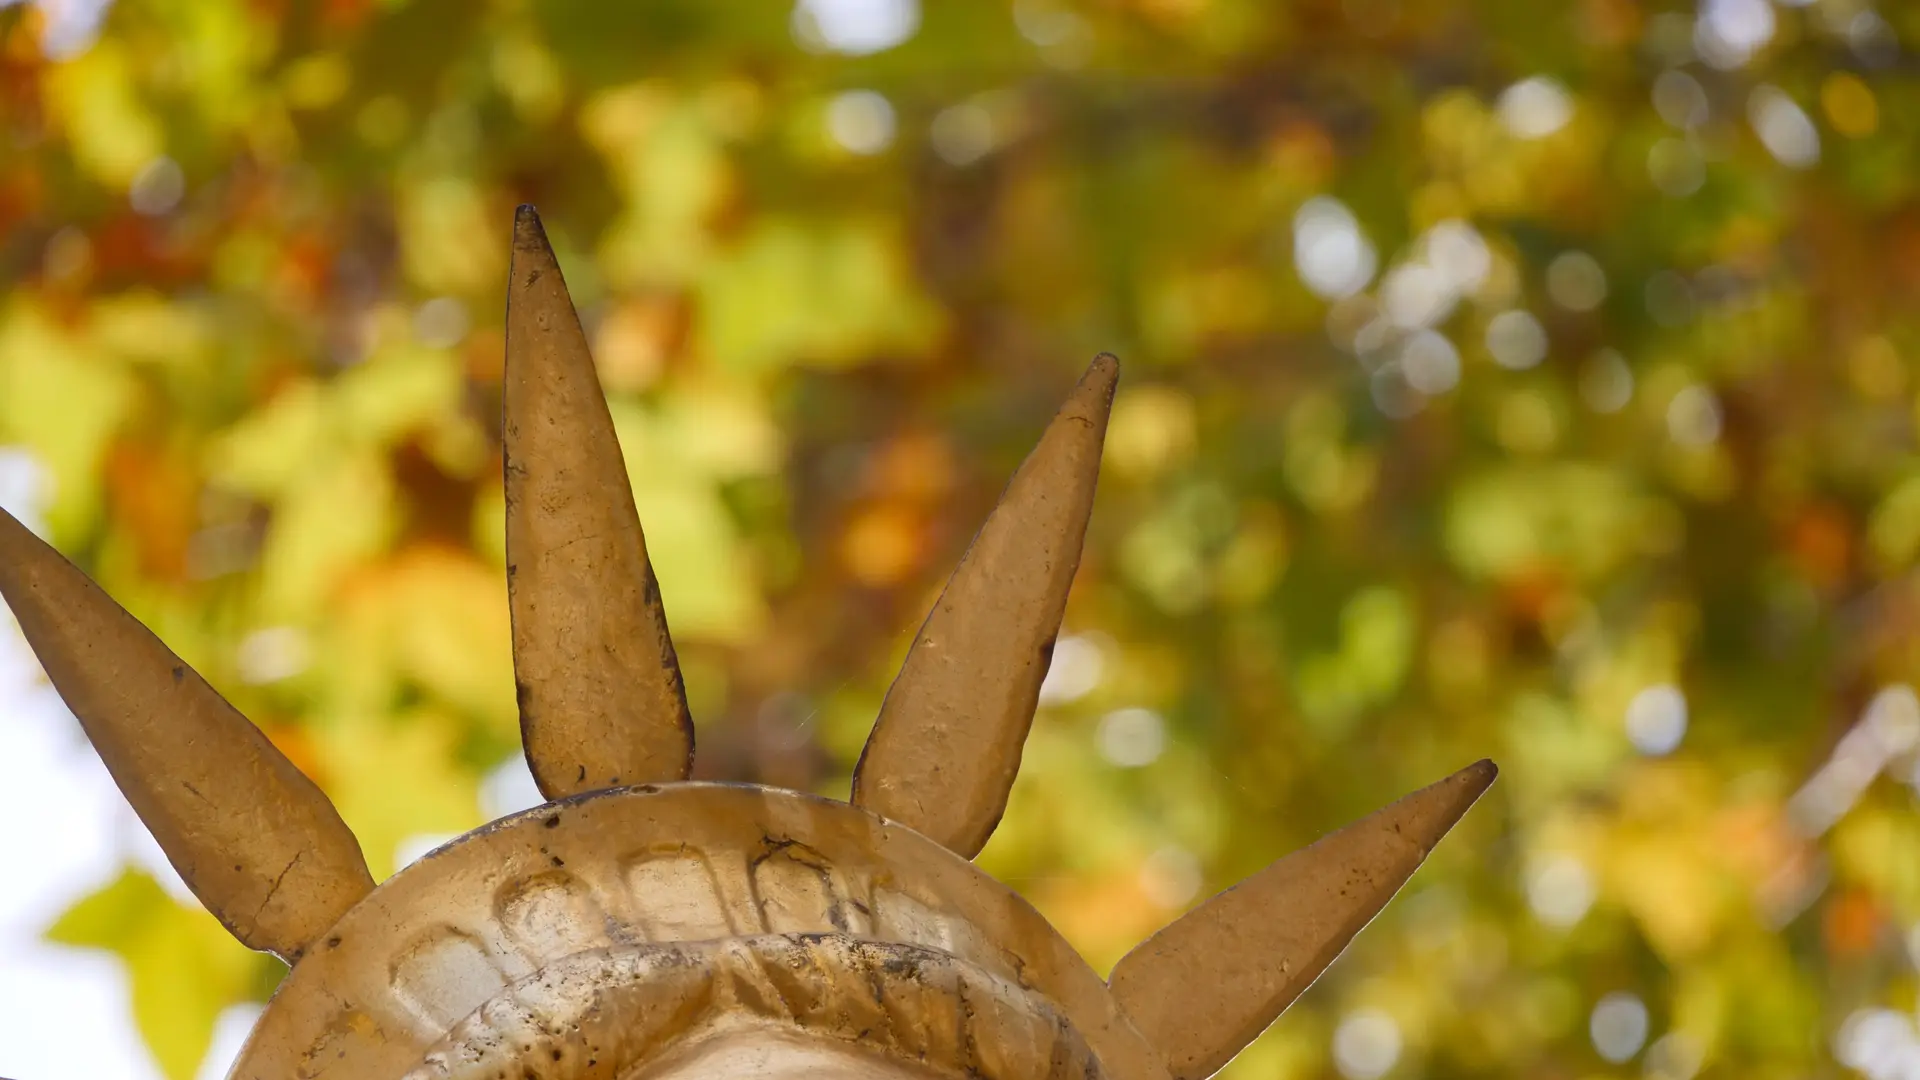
694	902
778	1055
639	925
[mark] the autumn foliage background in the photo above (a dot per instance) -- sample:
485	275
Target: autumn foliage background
1532	381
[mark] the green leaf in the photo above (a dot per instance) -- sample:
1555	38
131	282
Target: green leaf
184	966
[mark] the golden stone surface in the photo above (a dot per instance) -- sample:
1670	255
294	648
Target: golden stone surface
641	926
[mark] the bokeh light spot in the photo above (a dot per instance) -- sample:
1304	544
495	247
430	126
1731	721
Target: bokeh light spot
1606	382
861	121
1430	363
1074	671
1728	32
1576	281
1783	128
1674	1056
1171	877
1392	394
1850	105
1669	298
1334	257
1366	1045
1676	167
441	323
1517	340
854	27
1560	890
1132	738
962	134
1535	107
1693	417
1872	39
1618	1026
1657	720
1680	100
157	188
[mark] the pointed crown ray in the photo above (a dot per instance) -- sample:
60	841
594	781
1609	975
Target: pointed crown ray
944	751
601	700
1239	959
256	841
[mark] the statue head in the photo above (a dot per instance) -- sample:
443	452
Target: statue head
641	925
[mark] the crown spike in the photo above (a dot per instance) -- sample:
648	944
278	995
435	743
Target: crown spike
255	840
601	702
1209	984
943	754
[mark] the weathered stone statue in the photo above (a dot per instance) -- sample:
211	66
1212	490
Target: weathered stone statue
638	925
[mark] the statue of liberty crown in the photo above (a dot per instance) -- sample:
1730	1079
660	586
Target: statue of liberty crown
638	924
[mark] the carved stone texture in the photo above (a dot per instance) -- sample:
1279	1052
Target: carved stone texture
670	930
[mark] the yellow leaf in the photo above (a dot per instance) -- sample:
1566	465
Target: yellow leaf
706	578
430	619
94	100
148	328
64	402
397	390
451	243
270	447
329	522
395	778
819	294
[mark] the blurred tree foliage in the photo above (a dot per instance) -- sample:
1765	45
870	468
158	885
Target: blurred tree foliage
1527	380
